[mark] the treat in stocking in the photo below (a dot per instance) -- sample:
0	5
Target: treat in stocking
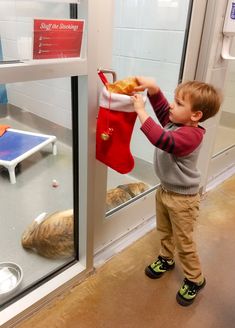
125	87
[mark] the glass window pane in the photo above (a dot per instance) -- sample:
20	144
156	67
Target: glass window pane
148	41
225	137
36	180
39	142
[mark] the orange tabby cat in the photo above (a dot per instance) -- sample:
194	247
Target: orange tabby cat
51	235
123	193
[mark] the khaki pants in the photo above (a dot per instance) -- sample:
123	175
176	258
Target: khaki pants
176	216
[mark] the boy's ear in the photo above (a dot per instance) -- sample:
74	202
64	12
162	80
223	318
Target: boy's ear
196	116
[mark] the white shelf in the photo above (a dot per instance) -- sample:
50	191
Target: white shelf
42	69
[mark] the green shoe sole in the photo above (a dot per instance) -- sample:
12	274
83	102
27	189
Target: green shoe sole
155	275
185	302
152	274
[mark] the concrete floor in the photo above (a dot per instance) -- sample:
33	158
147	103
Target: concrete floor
22	202
119	295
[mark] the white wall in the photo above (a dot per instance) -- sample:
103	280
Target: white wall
148	40
50	99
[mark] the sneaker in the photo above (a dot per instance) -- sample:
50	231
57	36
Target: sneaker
158	268
188	292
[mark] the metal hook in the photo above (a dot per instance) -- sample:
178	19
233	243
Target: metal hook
109	71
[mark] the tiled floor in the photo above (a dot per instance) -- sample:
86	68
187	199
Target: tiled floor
119	295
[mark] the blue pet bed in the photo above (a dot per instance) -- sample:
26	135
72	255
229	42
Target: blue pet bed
16	145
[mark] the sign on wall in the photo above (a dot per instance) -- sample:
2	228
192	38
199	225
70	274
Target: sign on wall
57	38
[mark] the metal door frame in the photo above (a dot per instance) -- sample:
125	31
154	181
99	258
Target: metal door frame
36	70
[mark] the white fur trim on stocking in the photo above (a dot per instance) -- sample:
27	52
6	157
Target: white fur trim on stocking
118	102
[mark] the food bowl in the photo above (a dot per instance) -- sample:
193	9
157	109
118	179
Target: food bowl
11	275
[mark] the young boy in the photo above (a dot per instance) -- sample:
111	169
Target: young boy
178	142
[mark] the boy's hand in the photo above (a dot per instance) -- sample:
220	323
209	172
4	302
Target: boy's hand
138	102
139	107
147	83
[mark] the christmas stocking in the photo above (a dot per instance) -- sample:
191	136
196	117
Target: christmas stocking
115	125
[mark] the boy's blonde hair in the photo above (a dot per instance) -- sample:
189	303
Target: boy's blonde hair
202	97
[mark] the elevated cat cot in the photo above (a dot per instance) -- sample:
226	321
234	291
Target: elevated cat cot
16	145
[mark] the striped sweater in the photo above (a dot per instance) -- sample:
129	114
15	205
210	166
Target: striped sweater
177	149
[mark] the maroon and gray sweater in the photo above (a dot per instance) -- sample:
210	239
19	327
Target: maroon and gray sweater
177	149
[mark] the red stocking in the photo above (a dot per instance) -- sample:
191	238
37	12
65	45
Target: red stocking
115	125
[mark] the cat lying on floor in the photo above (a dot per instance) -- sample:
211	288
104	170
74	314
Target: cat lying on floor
52	236
123	193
